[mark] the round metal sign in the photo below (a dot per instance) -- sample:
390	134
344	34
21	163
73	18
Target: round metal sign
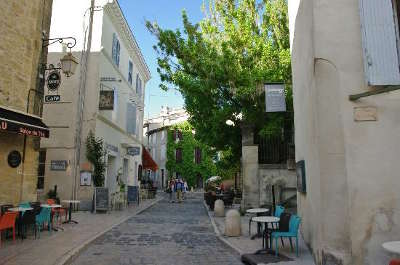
14	159
53	80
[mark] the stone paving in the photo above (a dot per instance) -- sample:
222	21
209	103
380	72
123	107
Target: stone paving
167	233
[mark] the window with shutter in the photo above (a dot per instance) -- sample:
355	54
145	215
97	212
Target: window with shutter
379	35
178	155
116	48
130	70
197	151
180	136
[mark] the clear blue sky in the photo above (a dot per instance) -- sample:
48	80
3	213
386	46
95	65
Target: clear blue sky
168	14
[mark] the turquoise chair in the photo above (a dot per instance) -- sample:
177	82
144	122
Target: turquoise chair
294	224
43	217
279	210
24	205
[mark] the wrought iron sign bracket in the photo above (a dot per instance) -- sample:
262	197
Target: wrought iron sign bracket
377	91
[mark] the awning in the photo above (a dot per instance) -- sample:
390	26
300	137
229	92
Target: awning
16	122
148	162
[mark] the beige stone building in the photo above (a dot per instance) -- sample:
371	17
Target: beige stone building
23	24
349	141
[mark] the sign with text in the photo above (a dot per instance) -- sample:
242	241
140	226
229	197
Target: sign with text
58	165
86	178
106	101
101	199
53	80
133	151
275	97
52	98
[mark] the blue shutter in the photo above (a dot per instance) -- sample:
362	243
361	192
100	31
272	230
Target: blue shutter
131	118
114	48
130	70
381	61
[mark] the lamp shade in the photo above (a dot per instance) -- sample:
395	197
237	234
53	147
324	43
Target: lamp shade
68	64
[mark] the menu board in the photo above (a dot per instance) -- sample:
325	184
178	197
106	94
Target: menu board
101	198
133	194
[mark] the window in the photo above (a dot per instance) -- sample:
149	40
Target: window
178	155
131	118
130	69
138	85
381	59
116	49
41	169
197	155
115	110
163	152
177	135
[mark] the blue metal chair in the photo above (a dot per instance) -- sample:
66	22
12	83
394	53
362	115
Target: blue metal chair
44	217
279	210
294	224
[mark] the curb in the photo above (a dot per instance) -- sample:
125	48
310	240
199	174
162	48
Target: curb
219	234
73	253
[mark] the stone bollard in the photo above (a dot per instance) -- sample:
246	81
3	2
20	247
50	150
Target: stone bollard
219	208
233	225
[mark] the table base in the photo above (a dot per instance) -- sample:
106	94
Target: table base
70	221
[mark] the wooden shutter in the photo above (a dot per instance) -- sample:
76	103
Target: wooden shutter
174	135
114	48
178	155
180	136
381	61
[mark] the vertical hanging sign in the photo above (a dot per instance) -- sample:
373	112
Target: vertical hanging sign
275	97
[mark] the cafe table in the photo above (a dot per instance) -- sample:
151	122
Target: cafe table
266	220
392	247
71	202
257	212
55	228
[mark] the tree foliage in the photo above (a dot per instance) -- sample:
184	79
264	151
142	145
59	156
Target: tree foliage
187	168
95	154
220	64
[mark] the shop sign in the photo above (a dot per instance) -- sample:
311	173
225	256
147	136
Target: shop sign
21	129
275	97
101	199
106	101
53	80
52	98
58	165
14	159
133	151
111	147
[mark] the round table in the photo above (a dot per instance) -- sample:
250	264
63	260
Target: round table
51	205
70	210
258	212
392	247
266	220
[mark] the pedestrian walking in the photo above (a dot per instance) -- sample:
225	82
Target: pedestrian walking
185	189
172	190
179	190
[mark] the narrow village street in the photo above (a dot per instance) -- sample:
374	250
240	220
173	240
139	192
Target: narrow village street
166	233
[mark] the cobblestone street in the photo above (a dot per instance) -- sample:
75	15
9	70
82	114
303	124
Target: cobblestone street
167	233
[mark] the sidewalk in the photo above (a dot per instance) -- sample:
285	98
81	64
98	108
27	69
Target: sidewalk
60	247
244	245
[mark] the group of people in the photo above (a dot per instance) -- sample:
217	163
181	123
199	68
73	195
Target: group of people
177	189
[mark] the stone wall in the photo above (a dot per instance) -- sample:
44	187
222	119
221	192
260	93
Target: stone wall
22	23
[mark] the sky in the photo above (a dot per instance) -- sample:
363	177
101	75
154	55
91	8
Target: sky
167	14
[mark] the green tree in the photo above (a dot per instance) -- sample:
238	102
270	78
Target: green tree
187	168
95	154
220	64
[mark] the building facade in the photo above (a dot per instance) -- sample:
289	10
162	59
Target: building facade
156	137
106	96
344	54
24	25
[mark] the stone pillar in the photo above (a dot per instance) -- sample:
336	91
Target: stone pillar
219	208
250	196
233	226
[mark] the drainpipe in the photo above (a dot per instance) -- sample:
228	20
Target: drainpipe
81	99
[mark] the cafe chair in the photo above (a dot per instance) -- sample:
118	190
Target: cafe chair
293	232
7	221
44	217
395	262
29	218
59	211
4	208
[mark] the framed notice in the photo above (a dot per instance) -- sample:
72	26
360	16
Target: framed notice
86	178
275	97
106	101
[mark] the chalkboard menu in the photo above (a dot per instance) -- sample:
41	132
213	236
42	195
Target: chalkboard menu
133	194
101	199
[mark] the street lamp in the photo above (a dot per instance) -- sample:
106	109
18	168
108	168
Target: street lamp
68	62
